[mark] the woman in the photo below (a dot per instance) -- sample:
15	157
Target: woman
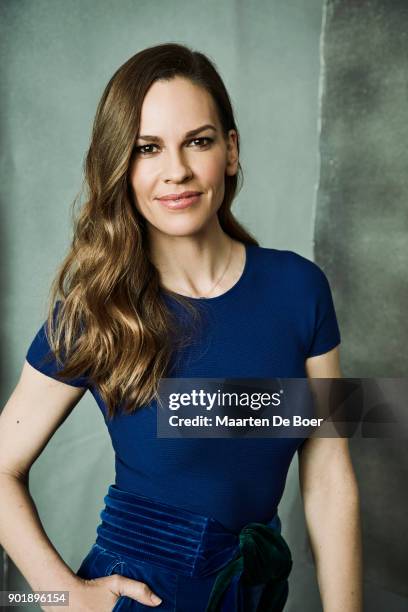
162	281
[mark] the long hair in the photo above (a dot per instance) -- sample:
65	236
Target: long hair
106	314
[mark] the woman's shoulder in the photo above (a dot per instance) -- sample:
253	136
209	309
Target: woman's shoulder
287	263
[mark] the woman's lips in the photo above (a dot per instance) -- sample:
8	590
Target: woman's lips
181	202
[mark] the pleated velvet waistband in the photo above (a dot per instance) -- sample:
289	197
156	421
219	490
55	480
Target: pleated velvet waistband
191	544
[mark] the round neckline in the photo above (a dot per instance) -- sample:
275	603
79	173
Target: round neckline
227	293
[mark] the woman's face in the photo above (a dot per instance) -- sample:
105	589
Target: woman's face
170	160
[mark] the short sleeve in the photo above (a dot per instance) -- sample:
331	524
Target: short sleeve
40	357
325	334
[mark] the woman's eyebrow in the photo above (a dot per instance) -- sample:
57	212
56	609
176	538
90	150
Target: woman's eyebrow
207	126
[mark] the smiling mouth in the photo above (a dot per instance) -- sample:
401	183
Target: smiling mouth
180	203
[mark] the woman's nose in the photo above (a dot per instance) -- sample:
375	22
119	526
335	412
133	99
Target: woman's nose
176	167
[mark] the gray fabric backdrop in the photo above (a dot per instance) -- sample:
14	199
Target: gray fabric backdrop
362	243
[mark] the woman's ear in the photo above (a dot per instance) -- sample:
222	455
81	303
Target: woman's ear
232	153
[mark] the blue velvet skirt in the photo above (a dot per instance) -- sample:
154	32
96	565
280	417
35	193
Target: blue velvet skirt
192	562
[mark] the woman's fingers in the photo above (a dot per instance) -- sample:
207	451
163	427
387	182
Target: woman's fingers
135	589
101	594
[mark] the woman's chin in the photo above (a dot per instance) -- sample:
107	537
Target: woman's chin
183	227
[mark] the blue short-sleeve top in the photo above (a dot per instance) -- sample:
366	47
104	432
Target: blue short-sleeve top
279	313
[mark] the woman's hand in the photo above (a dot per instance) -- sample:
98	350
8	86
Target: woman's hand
101	594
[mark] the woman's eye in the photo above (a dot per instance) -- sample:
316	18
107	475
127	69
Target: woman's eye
202	141
145	149
148	149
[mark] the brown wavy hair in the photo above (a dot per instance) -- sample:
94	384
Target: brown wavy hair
106	316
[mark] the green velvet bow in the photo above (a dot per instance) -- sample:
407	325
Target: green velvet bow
263	558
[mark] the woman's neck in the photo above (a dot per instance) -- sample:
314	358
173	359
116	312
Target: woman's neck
207	264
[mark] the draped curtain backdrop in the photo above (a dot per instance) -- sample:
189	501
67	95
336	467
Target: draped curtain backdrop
319	91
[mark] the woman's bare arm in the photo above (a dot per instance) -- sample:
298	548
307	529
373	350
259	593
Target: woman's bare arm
332	510
34	411
36	408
